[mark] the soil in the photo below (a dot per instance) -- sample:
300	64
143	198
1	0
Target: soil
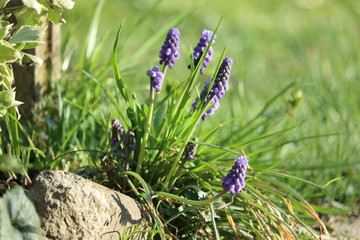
344	227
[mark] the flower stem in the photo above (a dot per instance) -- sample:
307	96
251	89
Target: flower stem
150	205
148	124
217	236
165	68
146	130
192	202
175	164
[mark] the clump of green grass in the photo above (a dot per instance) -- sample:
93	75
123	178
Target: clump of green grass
184	198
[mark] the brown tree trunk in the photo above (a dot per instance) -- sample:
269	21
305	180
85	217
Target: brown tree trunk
32	82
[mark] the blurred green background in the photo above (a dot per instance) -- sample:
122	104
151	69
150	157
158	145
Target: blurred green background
314	43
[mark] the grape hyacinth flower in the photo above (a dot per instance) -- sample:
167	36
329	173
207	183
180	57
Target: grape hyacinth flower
220	86
156	78
235	180
169	52
117	132
130	140
200	49
190	150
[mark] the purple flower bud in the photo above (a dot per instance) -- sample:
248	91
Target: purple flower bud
190	150
130	140
169	52
200	48
156	69
117	132
235	180
151	73
156	78
218	90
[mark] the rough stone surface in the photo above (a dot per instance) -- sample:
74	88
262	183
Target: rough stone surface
71	207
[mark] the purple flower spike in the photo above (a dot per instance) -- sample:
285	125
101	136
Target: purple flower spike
117	132
190	150
130	140
156	78
169	52
220	86
200	48
235	180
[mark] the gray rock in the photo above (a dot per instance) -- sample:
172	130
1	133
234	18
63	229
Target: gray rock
71	207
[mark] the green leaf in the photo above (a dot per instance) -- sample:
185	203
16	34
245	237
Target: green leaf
207	216
66	3
28	16
7	100
6	229
5	30
94	26
10	163
33	4
29	58
18	217
54	12
3	3
6	75
29	34
8	54
2	114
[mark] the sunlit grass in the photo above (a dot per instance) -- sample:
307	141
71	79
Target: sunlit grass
272	44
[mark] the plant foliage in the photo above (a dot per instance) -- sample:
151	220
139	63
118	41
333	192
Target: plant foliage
27	33
185	197
18	217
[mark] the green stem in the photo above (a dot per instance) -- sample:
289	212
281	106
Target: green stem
148	124
175	164
165	68
217	236
192	202
150	208
142	182
146	130
203	105
180	101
